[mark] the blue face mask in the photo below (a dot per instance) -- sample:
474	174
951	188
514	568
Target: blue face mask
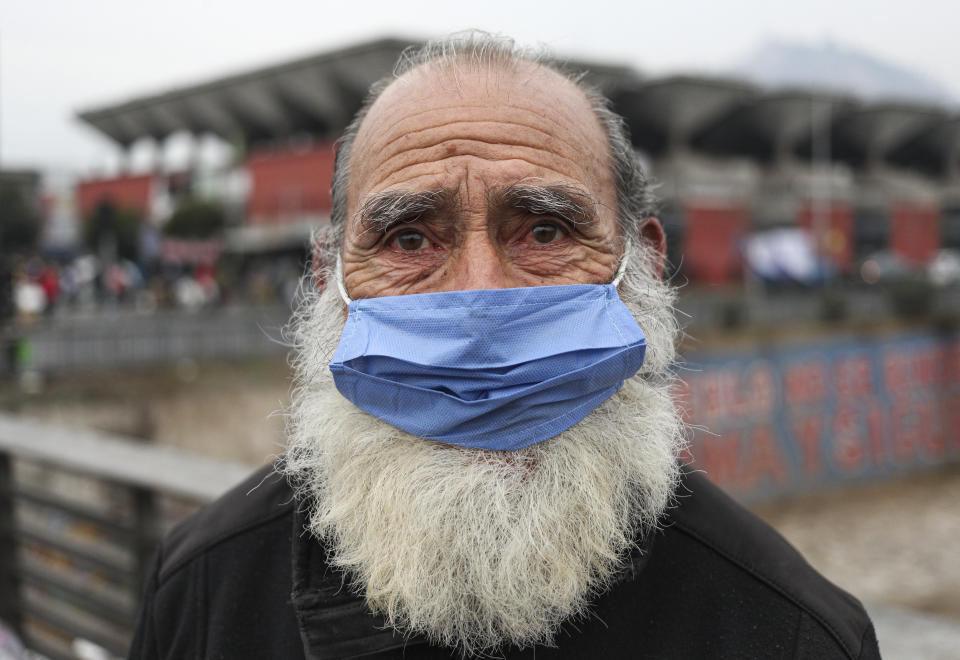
487	369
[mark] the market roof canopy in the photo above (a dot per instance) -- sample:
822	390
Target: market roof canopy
934	149
318	95
872	132
315	95
664	113
771	125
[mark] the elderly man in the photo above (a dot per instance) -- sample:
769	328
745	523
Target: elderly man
483	446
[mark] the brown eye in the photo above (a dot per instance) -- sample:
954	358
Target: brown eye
545	233
410	240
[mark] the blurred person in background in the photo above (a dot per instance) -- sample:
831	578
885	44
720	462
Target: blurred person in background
483	447
49	280
28	294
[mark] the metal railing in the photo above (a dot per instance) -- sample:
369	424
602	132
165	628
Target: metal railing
126	338
705	310
81	513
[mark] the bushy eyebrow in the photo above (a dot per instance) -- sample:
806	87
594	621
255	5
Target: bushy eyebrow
570	203
381	211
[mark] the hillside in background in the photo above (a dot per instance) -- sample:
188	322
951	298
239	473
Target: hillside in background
830	66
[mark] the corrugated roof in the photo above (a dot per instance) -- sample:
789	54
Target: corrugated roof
316	95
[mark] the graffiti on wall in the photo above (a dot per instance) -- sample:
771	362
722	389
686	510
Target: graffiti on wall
787	420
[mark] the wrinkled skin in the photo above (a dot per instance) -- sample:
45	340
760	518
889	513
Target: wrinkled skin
465	138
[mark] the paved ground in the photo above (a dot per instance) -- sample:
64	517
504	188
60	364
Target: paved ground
895	542
906	635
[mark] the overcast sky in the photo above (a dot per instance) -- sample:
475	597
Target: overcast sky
58	56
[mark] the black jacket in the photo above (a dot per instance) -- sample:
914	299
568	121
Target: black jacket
240	579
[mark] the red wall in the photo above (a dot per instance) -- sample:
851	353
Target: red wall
289	182
129	192
711	243
915	231
838	242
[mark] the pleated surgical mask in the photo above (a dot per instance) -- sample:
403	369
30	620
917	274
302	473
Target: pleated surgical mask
489	369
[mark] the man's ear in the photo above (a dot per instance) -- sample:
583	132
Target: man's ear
651	233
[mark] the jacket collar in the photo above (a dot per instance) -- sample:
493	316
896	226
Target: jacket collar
334	622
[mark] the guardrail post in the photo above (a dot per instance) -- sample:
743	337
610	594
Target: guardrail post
9	583
147	532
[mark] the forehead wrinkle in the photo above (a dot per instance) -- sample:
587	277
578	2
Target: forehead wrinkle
414	171
395	132
420	154
411	158
517	142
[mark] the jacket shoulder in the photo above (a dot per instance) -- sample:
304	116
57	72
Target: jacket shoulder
220	583
709	517
258	500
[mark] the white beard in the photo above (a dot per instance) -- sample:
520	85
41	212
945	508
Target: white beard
475	548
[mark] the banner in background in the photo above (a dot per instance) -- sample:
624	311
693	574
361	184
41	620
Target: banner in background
785	420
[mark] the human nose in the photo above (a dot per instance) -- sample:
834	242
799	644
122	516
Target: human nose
476	265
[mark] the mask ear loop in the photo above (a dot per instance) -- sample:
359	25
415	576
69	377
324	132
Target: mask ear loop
623	265
338	276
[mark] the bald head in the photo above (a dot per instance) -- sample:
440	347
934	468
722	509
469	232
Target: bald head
477	100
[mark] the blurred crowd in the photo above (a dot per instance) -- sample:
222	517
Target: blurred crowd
38	286
790	256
